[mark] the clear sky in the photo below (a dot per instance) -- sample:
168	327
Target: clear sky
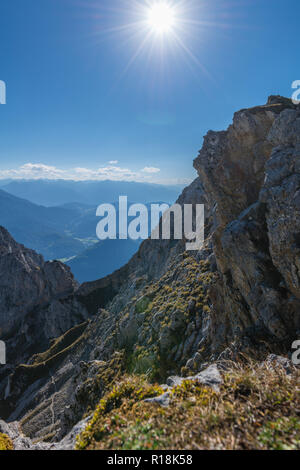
94	92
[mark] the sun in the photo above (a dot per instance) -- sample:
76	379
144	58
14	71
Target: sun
155	29
161	18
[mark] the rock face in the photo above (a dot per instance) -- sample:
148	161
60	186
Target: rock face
168	311
251	174
37	305
34	281
33	300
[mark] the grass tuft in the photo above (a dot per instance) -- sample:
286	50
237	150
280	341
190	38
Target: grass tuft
256	408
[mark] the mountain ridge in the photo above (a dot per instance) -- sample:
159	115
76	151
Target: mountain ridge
170	314
58	192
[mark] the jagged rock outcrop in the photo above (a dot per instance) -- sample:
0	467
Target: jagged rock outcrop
33	294
231	164
37	305
251	175
21	442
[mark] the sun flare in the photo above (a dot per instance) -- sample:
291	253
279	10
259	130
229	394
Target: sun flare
157	30
161	18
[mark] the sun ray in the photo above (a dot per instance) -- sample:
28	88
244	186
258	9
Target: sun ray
192	56
136	54
156	29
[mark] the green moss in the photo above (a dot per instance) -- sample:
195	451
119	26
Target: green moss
129	392
144	361
166	308
141	436
282	434
142	304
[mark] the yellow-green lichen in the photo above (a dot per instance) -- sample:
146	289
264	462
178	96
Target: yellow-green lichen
256	408
6	443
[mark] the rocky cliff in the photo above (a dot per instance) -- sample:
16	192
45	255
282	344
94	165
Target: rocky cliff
167	311
36	300
251	175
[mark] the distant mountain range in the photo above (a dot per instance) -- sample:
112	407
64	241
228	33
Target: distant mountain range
50	231
68	232
59	192
5	182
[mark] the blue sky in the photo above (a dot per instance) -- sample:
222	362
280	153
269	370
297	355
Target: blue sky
79	106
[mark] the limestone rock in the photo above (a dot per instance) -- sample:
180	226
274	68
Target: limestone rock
162	400
209	377
251	175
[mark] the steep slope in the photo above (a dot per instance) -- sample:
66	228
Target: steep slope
36	303
82	369
27	281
